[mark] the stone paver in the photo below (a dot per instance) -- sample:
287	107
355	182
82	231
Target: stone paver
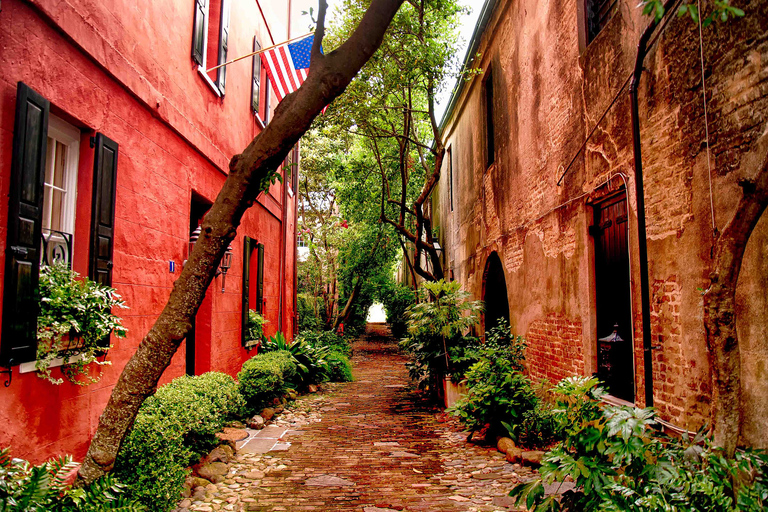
371	445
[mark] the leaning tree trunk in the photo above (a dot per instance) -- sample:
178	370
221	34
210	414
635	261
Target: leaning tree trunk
329	75
720	303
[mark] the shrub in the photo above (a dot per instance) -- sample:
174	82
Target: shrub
619	462
327	339
172	429
496	393
24	487
305	306
440	320
339	369
311	366
499	394
397	298
263	377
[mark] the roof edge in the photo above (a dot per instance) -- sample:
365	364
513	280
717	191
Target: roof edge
458	88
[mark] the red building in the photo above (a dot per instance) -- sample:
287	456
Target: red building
114	141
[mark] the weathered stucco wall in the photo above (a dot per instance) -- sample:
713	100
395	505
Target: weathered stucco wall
549	94
126	71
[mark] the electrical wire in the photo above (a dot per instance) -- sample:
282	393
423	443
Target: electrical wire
706	124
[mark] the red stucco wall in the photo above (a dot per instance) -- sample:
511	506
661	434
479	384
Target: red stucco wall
125	70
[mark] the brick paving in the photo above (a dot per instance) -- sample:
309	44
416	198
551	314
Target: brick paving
372	445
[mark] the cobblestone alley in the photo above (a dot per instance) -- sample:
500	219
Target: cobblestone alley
373	445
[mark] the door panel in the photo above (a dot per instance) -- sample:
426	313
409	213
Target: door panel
613	297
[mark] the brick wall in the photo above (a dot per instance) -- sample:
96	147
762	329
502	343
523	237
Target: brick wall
554	348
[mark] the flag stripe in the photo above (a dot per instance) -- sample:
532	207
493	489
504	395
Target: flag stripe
280	64
273	73
286	68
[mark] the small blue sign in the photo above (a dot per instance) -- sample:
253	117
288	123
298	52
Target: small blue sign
172	266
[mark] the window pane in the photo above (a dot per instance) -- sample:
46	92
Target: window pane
59	165
57	210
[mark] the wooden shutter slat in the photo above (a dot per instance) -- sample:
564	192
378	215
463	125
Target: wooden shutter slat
25	211
103	210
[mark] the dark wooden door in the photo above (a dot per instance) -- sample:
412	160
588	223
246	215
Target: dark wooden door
613	297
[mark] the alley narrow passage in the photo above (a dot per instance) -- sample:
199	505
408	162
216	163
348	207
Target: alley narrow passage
372	445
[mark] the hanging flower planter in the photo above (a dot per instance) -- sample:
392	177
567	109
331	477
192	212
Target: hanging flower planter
74	324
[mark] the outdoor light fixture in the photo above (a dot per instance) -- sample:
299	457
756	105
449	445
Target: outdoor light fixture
192	239
224	266
605	361
226	260
436	244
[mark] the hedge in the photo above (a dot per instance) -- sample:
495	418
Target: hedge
339	369
263	377
173	428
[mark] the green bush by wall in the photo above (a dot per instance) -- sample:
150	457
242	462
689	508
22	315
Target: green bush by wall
263	377
172	430
339	369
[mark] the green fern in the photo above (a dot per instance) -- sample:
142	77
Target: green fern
44	488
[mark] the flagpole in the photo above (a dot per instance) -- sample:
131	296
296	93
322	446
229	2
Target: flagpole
258	52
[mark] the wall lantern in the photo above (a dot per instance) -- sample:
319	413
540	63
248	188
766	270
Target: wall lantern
605	352
436	245
226	260
192	239
224	266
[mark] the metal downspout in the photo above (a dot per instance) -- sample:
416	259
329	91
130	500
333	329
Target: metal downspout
645	292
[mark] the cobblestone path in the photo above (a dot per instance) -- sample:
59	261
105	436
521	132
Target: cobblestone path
372	445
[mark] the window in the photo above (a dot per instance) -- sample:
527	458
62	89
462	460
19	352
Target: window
259	95
60	182
210	40
598	13
253	285
256	79
300	242
489	135
291	168
41	215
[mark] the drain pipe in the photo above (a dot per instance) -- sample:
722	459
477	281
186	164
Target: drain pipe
645	288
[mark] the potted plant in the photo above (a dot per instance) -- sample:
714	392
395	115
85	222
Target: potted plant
439	323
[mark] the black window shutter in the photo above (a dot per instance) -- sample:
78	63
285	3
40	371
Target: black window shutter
256	80
221	76
198	36
260	281
25	213
103	210
248	245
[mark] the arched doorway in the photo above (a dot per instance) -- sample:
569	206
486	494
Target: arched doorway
495	292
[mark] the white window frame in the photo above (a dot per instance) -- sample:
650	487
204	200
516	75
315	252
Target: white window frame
66	134
202	68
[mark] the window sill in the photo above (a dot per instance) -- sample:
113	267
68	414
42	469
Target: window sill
259	121
208	80
59	361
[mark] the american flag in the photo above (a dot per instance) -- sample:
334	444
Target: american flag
287	65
